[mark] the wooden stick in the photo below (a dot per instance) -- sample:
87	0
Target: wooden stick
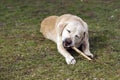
81	53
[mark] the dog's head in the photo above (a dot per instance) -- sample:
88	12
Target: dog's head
73	33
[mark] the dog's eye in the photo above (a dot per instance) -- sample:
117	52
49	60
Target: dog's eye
77	36
69	31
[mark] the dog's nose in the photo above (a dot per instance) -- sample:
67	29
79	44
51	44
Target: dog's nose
68	42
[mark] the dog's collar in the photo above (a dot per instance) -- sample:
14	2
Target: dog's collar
64	25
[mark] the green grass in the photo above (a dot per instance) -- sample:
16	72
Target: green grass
26	55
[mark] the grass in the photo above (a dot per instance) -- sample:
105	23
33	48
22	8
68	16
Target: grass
26	55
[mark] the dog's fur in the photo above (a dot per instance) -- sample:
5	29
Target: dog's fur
66	31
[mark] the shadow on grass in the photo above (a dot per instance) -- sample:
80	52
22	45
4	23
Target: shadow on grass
99	39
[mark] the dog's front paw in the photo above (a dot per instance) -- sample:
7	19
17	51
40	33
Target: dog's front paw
70	60
90	55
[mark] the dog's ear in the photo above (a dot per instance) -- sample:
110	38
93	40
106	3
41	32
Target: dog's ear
60	28
86	34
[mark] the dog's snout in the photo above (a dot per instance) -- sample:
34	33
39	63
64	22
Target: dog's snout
68	41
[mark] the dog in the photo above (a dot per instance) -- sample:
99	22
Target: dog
66	31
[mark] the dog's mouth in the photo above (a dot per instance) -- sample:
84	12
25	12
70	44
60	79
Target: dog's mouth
67	45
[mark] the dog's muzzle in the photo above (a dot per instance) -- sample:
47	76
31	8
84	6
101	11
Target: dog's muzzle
67	42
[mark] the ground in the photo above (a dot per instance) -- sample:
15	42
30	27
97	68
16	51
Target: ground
26	55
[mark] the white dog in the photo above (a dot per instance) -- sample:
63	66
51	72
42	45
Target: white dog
66	31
